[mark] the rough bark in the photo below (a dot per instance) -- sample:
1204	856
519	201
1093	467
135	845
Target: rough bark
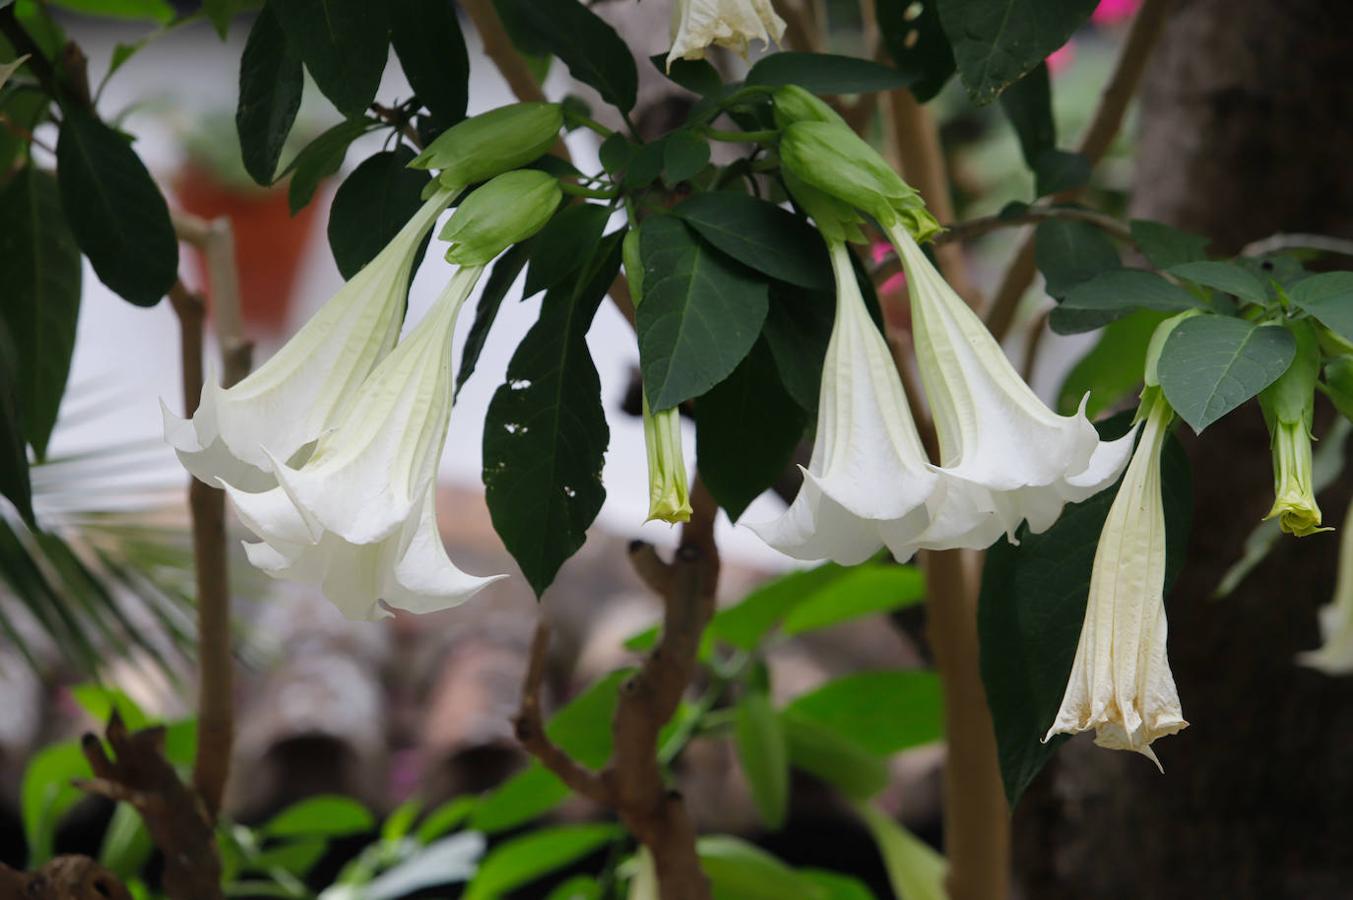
1245	131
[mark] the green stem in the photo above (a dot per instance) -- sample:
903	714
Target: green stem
741	137
593	124
578	190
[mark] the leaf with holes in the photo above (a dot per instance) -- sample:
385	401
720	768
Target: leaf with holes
370	207
1212	364
915	40
117	214
271	84
41	301
545	433
996	41
701	313
344	44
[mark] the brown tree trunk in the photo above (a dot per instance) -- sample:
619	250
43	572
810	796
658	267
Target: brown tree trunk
1246	130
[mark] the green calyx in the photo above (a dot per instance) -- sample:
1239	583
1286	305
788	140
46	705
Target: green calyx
1153	349
504	211
490	143
669	498
1288	405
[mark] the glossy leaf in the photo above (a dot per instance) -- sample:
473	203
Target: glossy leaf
1212	364
1328	297
370	207
764	757
431	48
1226	277
40	304
760	235
344	44
747	427
117	214
545	433
501	278
524	859
701	313
319	159
271	84
1032	606
591	49
563	245
825	73
996	41
883	712
917	44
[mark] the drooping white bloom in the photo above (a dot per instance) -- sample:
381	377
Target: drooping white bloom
293	398
1005	457
1335	655
1120	683
868	481
358	516
729	23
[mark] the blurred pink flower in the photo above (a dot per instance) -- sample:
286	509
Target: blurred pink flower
1062	57
1111	12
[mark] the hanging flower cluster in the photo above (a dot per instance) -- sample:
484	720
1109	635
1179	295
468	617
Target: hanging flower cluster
329	451
1005	458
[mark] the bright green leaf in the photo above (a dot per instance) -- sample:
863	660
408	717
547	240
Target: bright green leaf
745	623
739	870
159	11
915	870
522	860
764	756
47	794
324	816
860	591
883	712
833	758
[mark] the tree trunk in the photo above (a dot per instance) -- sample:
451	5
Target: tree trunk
1246	130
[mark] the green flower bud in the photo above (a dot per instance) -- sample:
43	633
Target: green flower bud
794	104
833	159
1288	405
836	220
490	143
502	212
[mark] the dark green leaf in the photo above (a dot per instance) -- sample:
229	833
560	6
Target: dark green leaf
764	758
696	75
1028	106
1328	297
747	427
1222	276
545	433
700	317
825	73
324	816
501	278
1120	290
431	49
759	235
833	758
220	12
798	327
997	41
371	206
1212	364
615	153
118	215
14	480
319	159
524	859
884	712
1069	253
563	245
591	49
271	83
1059	170
24	109
41	299
860	591
644	166
1032	607
1112	369
917	44
344	44
1165	246
683	156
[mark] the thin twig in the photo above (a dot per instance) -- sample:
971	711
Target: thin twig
800	29
1037	328
1278	242
1107	121
400	123
498	47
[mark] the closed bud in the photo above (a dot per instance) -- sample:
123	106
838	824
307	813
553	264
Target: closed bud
833	159
1288	405
491	143
794	104
502	212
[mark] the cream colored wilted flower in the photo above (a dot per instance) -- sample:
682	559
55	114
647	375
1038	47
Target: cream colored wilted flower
358	517
1288	406
868	482
1335	655
1006	457
1121	685
297	395
728	23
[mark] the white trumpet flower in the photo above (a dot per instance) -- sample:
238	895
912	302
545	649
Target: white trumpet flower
279	410
728	23
868	481
1120	683
1006	458
357	517
1335	655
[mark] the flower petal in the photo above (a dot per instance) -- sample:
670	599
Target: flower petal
425	579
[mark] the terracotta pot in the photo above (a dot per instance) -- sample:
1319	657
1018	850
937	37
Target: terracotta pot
269	243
